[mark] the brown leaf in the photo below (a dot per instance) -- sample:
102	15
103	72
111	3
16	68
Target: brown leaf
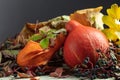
24	35
23	75
35	78
58	73
84	16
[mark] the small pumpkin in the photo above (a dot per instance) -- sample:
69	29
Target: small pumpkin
81	42
33	55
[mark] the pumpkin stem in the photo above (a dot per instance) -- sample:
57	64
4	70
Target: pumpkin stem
72	24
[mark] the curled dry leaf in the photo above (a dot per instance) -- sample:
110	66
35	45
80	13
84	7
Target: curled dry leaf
33	55
35	26
35	78
89	17
58	73
117	56
117	51
24	35
23	58
28	30
23	75
32	26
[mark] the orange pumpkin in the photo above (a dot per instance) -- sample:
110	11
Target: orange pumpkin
83	42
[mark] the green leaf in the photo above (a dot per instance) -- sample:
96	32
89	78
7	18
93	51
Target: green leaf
35	37
44	43
51	36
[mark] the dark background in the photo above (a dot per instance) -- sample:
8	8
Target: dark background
15	13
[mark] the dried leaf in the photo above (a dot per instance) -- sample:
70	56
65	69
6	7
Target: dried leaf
24	35
15	47
35	78
58	73
23	75
8	71
10	53
89	17
0	57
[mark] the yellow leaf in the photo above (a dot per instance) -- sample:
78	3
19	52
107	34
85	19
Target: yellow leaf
109	21
114	11
118	13
118	42
112	20
110	34
118	34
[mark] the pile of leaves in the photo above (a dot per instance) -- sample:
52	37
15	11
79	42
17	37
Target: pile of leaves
8	53
44	36
44	32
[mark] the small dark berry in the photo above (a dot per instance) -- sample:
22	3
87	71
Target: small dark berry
15	74
96	66
1	68
39	73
